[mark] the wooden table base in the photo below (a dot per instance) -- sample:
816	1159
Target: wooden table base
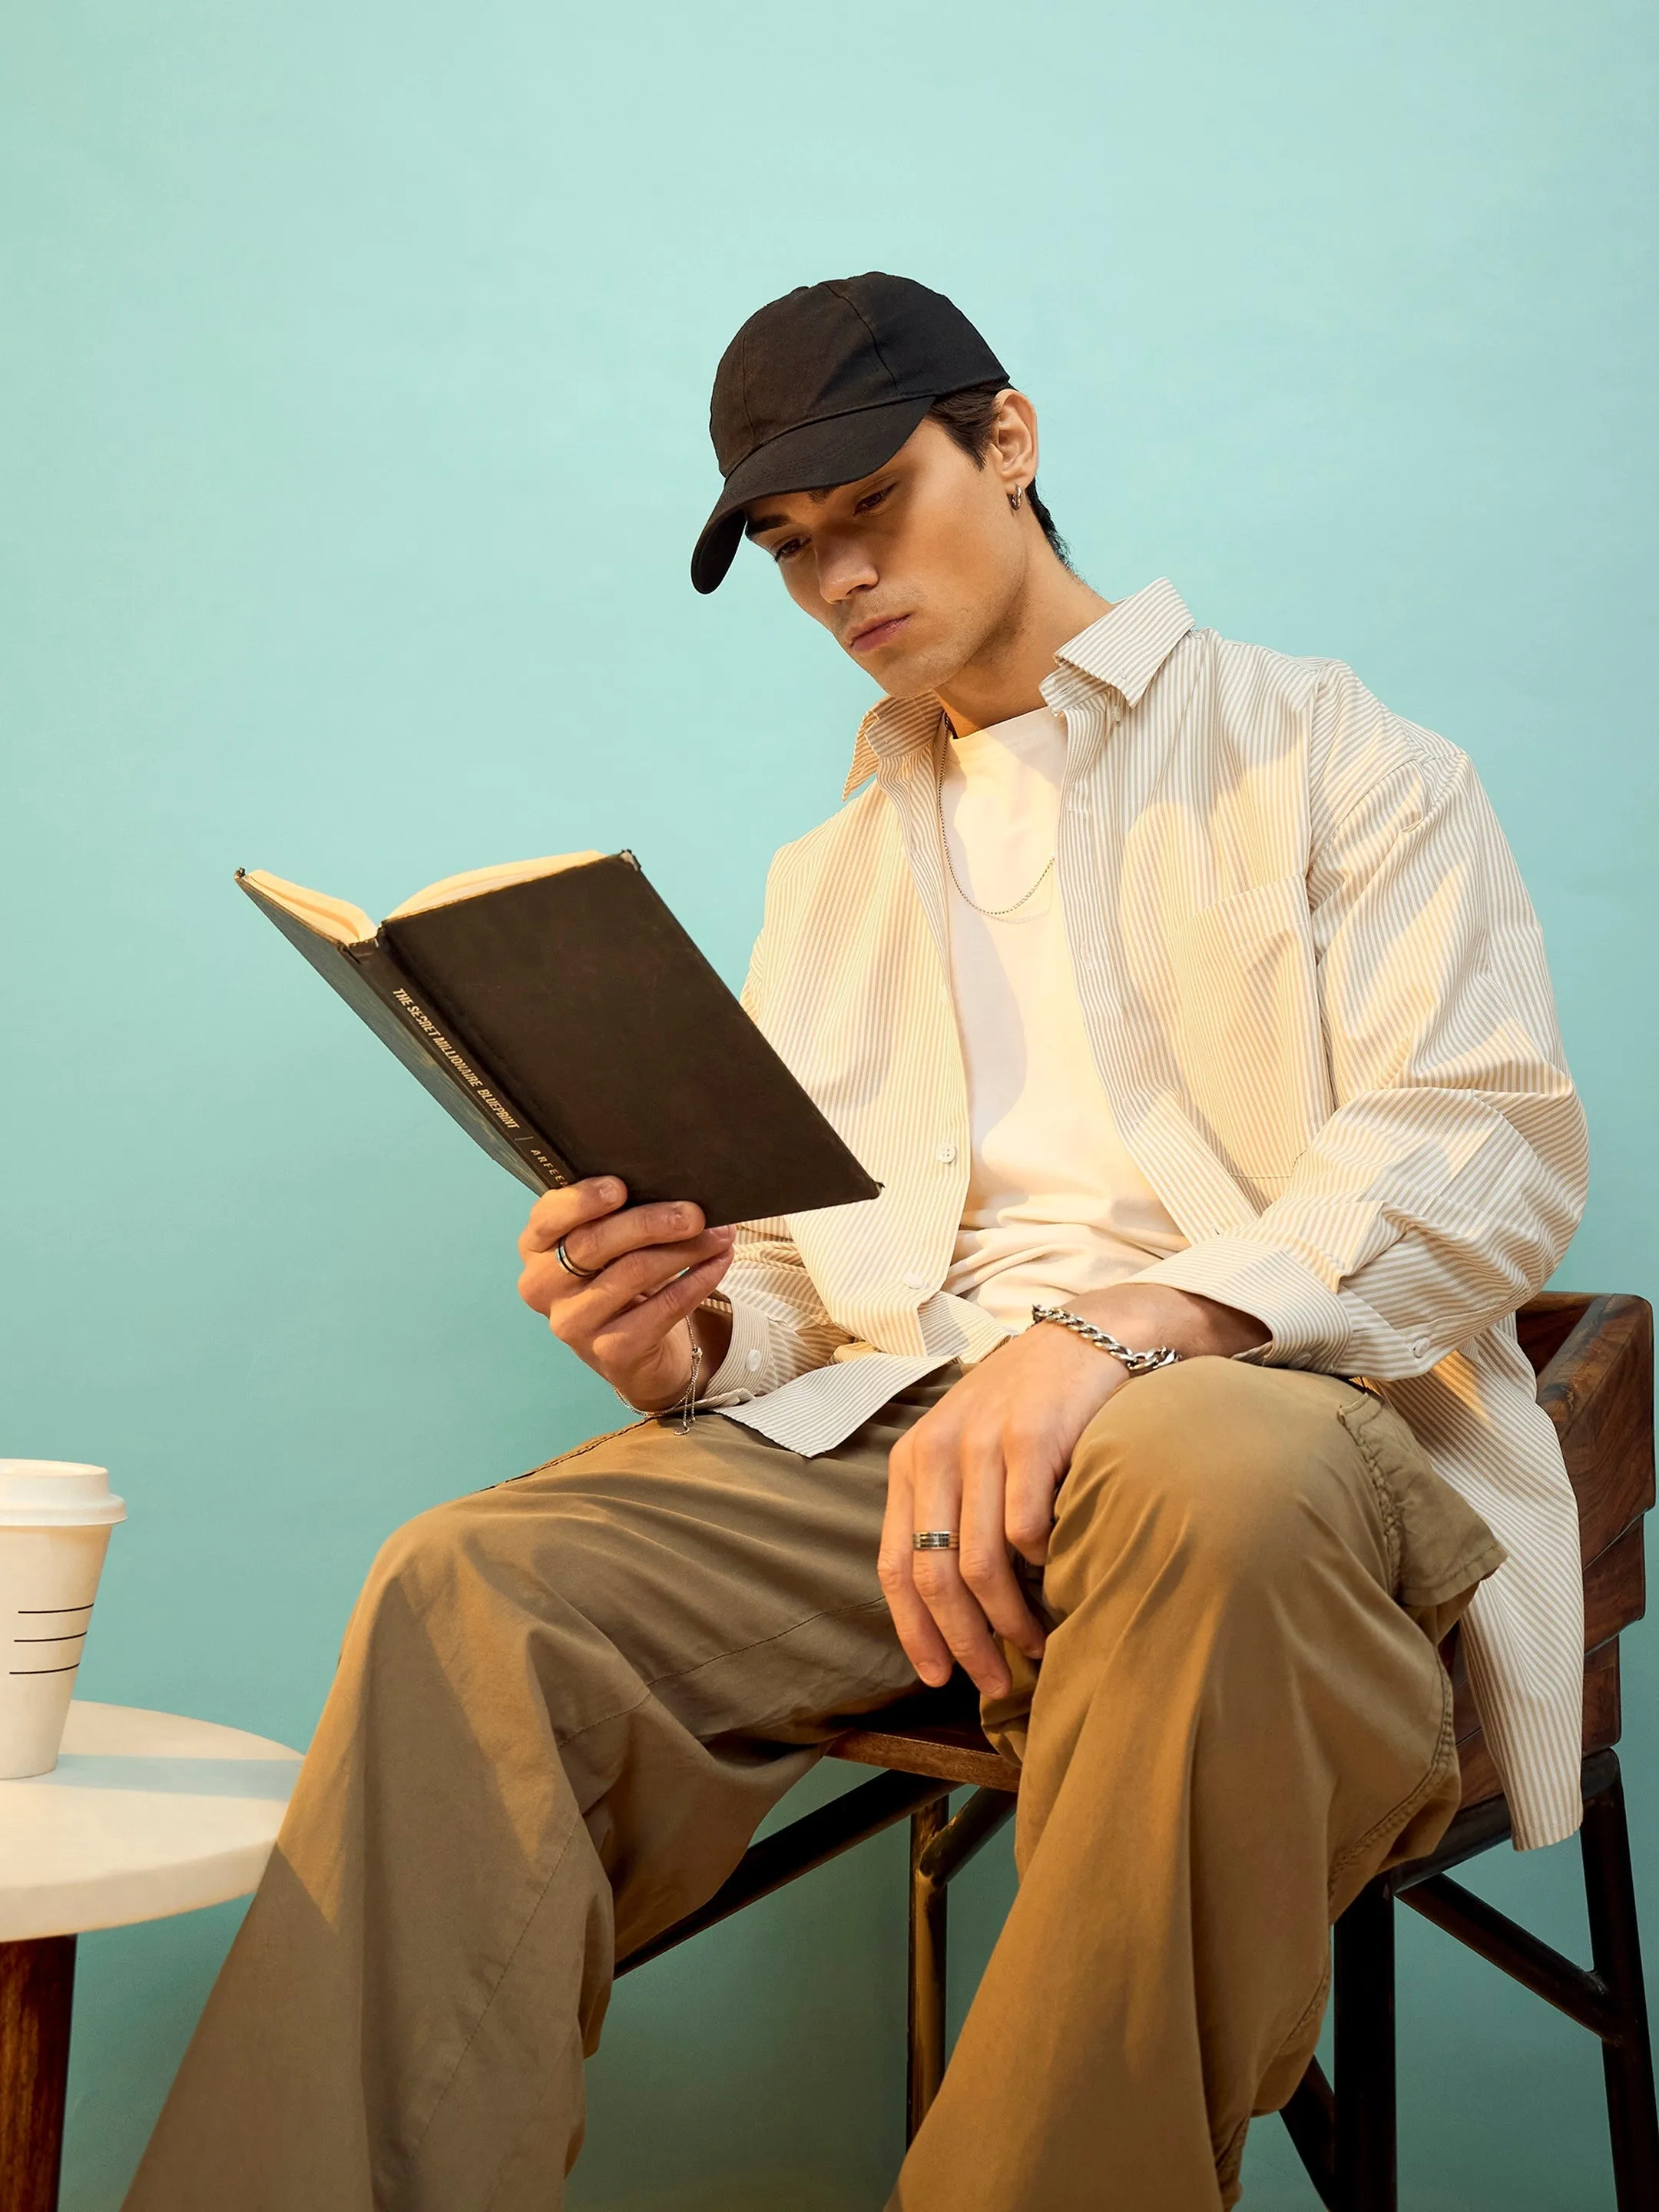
37	1991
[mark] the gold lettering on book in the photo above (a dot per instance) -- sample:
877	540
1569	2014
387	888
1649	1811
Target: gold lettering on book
430	1029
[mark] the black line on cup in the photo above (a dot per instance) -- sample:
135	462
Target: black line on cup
70	1636
53	1608
43	1670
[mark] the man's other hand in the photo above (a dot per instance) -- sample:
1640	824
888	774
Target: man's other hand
985	1462
650	1266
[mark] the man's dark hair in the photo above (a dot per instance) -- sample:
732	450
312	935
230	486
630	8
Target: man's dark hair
970	416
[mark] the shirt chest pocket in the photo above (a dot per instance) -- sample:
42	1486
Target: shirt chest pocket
1247	1029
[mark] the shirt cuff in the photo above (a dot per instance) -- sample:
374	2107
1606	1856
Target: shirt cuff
1307	1323
742	1374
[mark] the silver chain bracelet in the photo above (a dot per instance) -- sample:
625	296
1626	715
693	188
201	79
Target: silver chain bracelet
686	1407
1138	1362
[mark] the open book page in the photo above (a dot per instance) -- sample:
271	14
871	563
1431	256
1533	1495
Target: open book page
342	923
474	881
335	919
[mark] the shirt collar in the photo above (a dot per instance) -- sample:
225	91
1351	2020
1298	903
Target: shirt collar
1122	652
1129	645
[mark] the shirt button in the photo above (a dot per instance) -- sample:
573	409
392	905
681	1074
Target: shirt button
917	1282
752	1361
945	1152
1420	1347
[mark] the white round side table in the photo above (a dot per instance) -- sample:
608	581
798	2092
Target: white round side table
145	1815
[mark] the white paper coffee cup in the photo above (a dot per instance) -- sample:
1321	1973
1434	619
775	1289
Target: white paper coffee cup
55	1520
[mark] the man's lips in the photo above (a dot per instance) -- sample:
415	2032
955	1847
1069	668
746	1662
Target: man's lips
873	636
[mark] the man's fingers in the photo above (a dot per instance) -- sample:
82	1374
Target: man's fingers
557	1212
630	1306
578	1305
983	1556
924	1647
631	1335
597	1244
1028	1505
597	1226
937	1475
579	1310
639	1271
959	1620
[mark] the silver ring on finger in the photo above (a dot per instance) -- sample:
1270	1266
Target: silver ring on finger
582	1275
934	1539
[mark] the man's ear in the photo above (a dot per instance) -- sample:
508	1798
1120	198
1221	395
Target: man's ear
1014	448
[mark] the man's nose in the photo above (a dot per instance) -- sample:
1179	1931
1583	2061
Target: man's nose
842	570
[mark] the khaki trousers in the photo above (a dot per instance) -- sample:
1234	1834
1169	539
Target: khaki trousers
564	1705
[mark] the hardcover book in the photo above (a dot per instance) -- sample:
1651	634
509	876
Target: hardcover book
557	1010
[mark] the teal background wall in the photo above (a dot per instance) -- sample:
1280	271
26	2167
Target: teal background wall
354	361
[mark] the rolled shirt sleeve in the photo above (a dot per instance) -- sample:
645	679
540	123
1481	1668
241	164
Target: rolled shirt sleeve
1441	1193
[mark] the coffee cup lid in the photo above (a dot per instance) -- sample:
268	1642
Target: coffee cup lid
56	1493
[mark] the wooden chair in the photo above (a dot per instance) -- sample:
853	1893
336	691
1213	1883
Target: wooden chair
1594	1359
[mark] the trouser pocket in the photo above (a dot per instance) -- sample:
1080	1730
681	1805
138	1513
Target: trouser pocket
1440	1550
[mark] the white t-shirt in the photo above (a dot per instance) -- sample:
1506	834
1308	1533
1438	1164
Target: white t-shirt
1055	1207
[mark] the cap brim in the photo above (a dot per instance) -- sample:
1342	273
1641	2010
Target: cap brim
809	459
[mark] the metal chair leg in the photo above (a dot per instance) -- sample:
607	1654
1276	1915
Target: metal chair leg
1616	1951
1366	2170
929	1904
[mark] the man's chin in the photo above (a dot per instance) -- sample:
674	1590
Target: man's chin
912	675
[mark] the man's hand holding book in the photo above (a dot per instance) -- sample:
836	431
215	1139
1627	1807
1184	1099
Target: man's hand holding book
622	1294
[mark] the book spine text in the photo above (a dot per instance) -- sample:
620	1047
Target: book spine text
524	1141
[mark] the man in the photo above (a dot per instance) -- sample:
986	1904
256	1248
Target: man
1190	1009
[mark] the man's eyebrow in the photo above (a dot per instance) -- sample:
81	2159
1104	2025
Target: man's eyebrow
756	523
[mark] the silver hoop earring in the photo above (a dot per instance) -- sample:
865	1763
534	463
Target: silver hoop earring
1016	496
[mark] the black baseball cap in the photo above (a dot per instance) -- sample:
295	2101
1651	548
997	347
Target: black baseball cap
822	385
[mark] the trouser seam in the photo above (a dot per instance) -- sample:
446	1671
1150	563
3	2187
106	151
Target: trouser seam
1308	2017
495	1990
508	2153
1388	1505
1396	1817
577	1451
719	1659
1315	2005
1231	2156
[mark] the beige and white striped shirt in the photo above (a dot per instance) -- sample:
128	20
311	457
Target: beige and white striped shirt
1317	995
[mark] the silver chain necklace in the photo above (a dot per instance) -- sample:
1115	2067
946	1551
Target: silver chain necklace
991	913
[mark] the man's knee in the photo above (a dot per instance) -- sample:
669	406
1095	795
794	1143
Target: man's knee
480	1555
1216	1466
421	1558
416	1574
